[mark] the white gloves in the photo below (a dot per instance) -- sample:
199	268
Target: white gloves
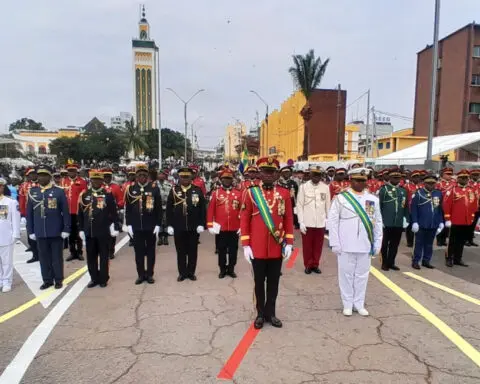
215	230
440	228
23	221
415	227
211	231
200	229
65	235
32	237
156	230
170	231
130	231
248	254
448	224
405	223
337	250
303	229
81	234
239	232
113	232
287	252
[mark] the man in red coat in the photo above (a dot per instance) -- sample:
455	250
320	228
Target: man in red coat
117	194
474	183
339	184
197	180
459	206
223	220
446	182
73	185
23	191
267	235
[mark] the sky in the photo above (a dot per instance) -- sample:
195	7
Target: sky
64	62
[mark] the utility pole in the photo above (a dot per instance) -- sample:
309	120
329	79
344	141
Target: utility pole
159	124
375	139
339	104
368	124
433	95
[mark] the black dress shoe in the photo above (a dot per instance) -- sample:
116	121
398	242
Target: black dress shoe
222	274
232	274
395	268
192	277
150	280
139	281
308	271
441	244
216	251
428	265
258	323
317	271
111	257
45	286
71	257
385	268
165	240
103	285
468	244
461	263
58	285
415	266
91	284
80	257
275	321
473	244
32	260
180	278
281	273
449	263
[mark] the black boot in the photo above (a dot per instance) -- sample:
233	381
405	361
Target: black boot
160	240
32	260
165	240
427	265
231	272
259	321
222	273
449	262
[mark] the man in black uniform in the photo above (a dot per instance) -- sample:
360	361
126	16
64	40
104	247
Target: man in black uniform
143	216
185	221
97	219
286	181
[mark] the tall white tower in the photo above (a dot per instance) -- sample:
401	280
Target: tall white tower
145	76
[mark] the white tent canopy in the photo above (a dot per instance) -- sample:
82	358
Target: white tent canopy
417	154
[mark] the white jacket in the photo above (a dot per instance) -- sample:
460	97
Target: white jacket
313	204
346	230
9	221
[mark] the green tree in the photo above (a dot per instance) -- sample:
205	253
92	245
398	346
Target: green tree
26	124
68	148
173	144
104	145
134	138
307	73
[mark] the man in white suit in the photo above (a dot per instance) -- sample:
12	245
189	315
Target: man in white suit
355	234
9	233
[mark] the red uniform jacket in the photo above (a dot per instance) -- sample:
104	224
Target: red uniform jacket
254	232
23	196
411	188
444	185
337	187
374	185
198	181
475	185
459	205
73	189
224	209
117	193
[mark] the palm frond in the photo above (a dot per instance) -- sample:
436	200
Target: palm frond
307	72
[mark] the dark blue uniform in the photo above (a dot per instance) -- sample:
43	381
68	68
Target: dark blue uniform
426	210
47	218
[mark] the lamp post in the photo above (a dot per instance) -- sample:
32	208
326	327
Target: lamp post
185	104
191	125
266	116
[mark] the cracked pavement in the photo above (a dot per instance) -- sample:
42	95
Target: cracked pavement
184	332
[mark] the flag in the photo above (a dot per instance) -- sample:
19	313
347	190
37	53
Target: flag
244	161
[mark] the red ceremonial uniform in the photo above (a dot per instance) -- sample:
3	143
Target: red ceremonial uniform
459	205
117	193
337	187
73	188
198	181
374	185
411	188
224	209
444	185
254	232
23	196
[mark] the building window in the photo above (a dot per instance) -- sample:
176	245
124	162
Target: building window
474	108
476	51
476	80
387	145
380	145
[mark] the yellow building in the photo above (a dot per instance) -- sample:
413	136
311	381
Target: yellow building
233	138
38	142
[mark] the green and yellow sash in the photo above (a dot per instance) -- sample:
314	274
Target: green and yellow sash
362	215
262	205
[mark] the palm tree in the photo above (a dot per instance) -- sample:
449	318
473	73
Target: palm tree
134	138
307	73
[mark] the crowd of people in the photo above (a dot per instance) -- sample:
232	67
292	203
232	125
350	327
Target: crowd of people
364	212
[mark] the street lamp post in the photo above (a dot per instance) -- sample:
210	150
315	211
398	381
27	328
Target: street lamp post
185	104
266	117
191	125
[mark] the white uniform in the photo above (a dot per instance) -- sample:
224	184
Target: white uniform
348	238
9	232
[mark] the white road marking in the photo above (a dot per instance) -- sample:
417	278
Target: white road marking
15	371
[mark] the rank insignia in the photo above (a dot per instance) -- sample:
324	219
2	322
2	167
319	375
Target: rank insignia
3	212
235	204
100	203
52	203
195	199
323	196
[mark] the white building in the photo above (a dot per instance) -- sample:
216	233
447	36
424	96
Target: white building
233	138
118	122
38	142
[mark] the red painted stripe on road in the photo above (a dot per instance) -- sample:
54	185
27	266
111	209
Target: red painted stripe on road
291	262
238	354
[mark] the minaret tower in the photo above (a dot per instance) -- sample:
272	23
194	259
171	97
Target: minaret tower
145	72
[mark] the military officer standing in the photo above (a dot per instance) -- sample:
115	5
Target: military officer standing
427	220
165	188
48	223
474	183
286	181
143	218
412	187
31	182
185	221
223	220
118	195
339	184
266	223
444	185
98	223
394	208
459	208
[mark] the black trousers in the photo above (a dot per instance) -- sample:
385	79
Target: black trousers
74	241
473	225
186	244
98	249
144	245
391	240
112	241
227	244
33	246
50	252
409	235
269	270
442	236
216	243
458	235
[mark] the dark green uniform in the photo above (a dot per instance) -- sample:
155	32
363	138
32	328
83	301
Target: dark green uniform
394	208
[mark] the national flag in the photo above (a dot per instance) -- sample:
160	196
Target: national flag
243	161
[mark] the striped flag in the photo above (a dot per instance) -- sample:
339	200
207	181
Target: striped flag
244	161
